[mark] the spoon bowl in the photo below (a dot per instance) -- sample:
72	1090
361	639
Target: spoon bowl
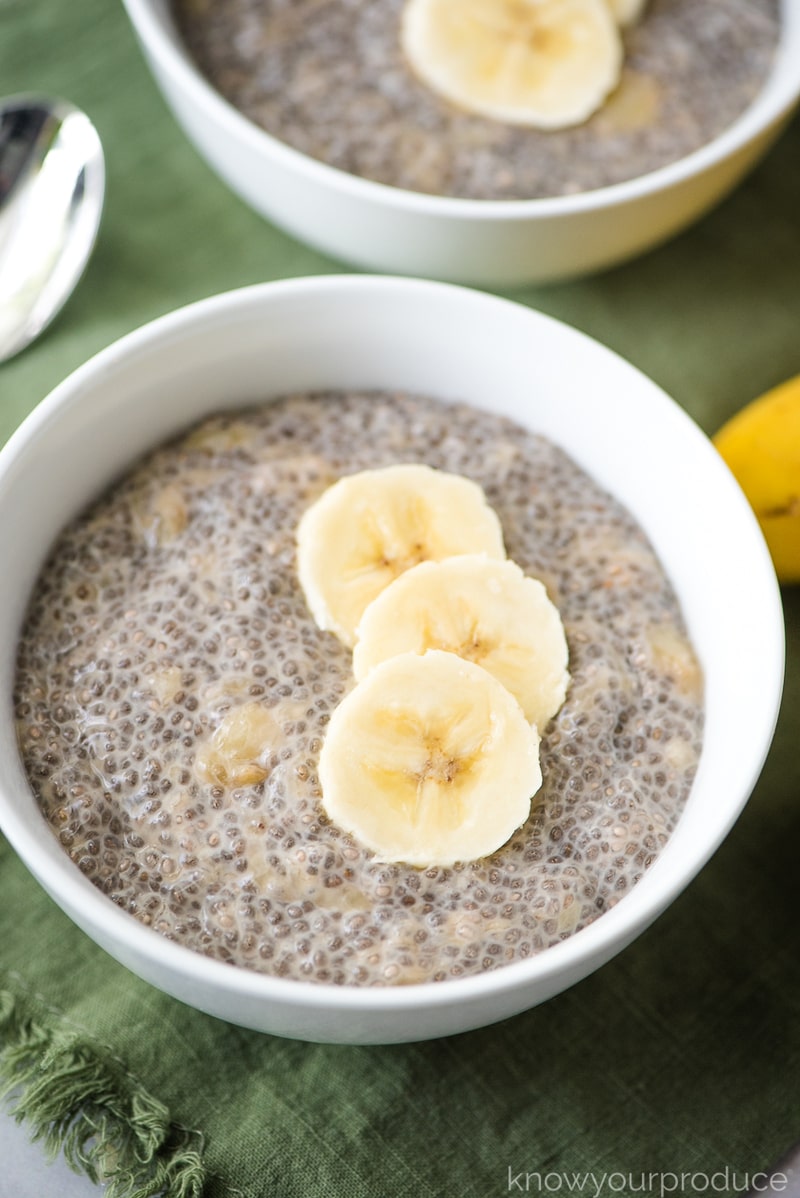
52	181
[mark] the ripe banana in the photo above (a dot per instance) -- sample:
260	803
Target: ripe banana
761	445
429	760
481	609
368	528
544	63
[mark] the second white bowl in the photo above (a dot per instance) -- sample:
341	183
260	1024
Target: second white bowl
491	243
447	343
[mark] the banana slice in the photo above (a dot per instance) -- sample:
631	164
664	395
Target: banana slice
484	610
430	761
626	12
369	527
545	63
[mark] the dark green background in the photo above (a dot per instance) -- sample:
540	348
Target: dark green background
682	1054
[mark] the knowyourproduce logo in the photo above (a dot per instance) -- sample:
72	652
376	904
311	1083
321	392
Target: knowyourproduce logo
595	1185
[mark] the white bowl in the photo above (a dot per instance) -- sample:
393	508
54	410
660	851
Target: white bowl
487	242
447	343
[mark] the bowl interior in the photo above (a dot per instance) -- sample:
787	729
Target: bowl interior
450	344
159	34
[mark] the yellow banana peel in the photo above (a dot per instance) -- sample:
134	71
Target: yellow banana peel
761	445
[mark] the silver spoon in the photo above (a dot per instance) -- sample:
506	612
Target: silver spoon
52	179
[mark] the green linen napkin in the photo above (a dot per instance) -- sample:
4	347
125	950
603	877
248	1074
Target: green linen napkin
682	1055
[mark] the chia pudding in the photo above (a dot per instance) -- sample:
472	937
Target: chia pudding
328	77
173	691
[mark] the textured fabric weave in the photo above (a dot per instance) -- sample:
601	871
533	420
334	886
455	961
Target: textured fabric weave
681	1055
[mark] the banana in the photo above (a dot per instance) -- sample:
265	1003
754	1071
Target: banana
626	12
368	528
239	752
761	445
544	63
429	760
484	610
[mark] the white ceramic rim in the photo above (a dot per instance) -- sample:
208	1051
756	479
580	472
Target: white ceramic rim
616	927
776	98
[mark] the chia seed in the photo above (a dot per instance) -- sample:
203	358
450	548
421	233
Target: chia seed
328	77
233	856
